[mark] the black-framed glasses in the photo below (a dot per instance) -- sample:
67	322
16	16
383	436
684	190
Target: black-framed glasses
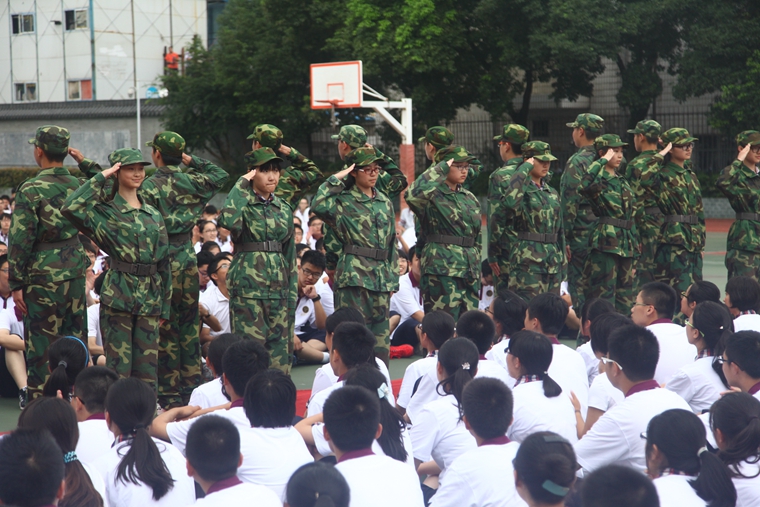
722	360
369	171
687	146
309	273
755	149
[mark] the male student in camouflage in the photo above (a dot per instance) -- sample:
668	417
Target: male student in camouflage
46	261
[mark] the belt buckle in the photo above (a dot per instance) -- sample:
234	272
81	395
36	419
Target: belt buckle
134	270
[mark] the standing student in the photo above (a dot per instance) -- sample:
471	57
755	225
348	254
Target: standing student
545	468
699	291
89	402
211	394
741	362
32	472
743	300
317	485
618	486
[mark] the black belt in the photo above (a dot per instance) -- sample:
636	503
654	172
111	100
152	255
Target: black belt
538	238
616	222
39	247
363	251
653	210
684	219
133	268
178	239
261	246
451	240
748	216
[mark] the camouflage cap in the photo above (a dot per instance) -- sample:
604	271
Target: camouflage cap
169	144
127	156
440	137
362	157
267	135
751	137
608	141
649	128
513	133
353	135
52	139
455	153
538	150
588	121
260	157
677	136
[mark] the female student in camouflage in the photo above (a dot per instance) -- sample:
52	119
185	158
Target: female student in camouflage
137	289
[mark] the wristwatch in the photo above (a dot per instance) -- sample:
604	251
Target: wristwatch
314	300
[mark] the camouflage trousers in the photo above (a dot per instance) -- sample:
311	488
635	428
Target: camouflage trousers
375	307
131	344
179	346
450	294
645	264
528	284
268	321
677	267
501	282
609	276
54	309
743	263
576	282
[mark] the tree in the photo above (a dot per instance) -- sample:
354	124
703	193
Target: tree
738	107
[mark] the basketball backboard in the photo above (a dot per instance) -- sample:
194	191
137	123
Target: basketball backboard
336	84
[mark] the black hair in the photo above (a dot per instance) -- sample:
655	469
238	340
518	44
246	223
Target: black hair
98	285
270	400
218	347
341	315
317	485
737	416
702	290
31	468
355	343
3	259
210	209
546	464
662	296
315	258
67	356
169	160
439	326
595	307
602	326
92	385
485	268
213	266
459	358
391	439
241	361
413	253
55	157
301	246
744	292
207	246
477	327
272	165
550	310
535	352
58	417
743	349
516	147
636	350
714	322
319	244
591	134
314	217
509	311
487	404
618	486
213	448
402	254
680	436
352	416
204	258
131	404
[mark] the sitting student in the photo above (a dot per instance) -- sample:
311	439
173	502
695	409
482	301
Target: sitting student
618	486
482	476
685	473
698	292
67	356
13	376
31	469
630	366
352	422
486	294
592	309
94	336
743	300
204	259
545	469
406	302
211	394
539	402
215	301
139	470
735	422
654	309
213	458
741	362
317	485
211	247
701	382
89	402
508	313
310	315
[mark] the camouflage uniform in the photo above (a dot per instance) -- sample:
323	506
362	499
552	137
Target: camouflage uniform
450	222
501	232
648	216
741	185
678	258
366	273
46	261
131	304
608	271
578	218
537	246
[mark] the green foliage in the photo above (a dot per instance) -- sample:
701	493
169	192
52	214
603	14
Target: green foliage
11	177
738	107
707	183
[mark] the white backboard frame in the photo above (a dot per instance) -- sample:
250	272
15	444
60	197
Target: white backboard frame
336	84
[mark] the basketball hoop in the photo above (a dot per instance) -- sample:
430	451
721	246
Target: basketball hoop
333	104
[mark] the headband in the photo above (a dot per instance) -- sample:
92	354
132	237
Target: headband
86	350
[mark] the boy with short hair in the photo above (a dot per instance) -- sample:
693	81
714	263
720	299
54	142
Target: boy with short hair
211	393
89	402
32	473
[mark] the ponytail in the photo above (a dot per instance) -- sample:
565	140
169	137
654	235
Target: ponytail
459	359
713	484
67	356
714	322
737	416
535	353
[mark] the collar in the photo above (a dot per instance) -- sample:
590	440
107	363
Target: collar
554	340
237	403
415	282
361	196
482	357
647	385
53	170
496	441
432	354
513	161
705	353
168	169
673	471
524	379
341	378
755	388
224	484
97	416
123	207
662	321
123	438
356	454
747	312
267	201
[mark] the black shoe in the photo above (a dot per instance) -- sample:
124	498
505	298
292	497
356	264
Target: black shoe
22	398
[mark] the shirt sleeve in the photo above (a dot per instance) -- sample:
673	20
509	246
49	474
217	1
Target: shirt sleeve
177	432
405	301
5	321
407	385
597	396
681	384
604	444
424	434
455	491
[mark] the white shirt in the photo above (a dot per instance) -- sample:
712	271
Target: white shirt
409	236
326	293
486	297
602	395
126	494
177	431
323	446
225	246
304	216
675	491
615	439
413	373
324	377
675	350
208	395
406	219
407	300
218	306
93	323
592	362
95	440
533	412
9	321
380	481
240	494
498	354
317	402
568	369
304	315
698	384
481	477
747	490
750	322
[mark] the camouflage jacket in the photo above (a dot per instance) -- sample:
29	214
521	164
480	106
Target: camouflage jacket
296	179
610	196
501	233
741	185
251	219
36	220
126	234
578	218
648	225
678	193
441	210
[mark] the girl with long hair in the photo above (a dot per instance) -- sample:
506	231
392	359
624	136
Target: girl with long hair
67	356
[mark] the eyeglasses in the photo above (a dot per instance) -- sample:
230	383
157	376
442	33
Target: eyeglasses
461	168
722	360
687	146
683	294
488	311
755	149
606	360
310	274
694	328
641	304
369	171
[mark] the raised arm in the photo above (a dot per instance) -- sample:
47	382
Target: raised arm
205	177
324	202
231	216
393	181
591	183
423	189
79	208
296	179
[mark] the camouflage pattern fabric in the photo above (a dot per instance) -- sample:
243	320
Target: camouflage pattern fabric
453	295
649	128
127	156
374	306
265	320
267	135
52	139
529	284
440	137
743	263
648	225
131	343
296	179
677	266
257	158
169	144
588	121
501	233
513	133
353	135
610	277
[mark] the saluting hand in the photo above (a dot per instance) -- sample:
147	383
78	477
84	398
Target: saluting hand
345	172
610	153
76	155
112	170
743	154
249	175
187	159
285	150
667	149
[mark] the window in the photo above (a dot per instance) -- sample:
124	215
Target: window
76	19
80	90
26	92
22	23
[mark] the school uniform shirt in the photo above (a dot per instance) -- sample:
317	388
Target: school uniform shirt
208	395
10	321
407	300
675	349
748	322
323	446
533	411
698	384
568	369
747	489
305	315
412	374
317	403
232	492
379	481
177	431
481	477
218	305
127	494
592	362
498	354
675	491
602	395
615	439
93	324
486	297
325	377
95	439
97	482
225	246
326	293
